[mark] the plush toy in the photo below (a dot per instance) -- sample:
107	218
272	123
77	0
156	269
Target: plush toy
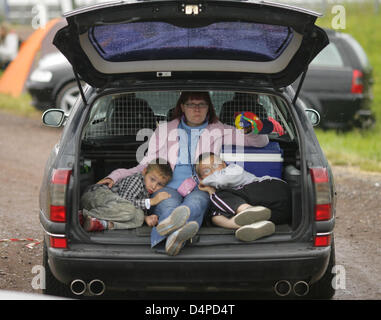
248	119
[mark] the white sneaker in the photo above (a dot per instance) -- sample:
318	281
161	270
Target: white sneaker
174	221
251	215
176	240
255	231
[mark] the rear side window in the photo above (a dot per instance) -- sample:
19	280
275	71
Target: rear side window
328	57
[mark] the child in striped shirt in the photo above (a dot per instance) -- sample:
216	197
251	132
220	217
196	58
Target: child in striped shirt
124	205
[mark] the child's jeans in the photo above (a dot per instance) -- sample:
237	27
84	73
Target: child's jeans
101	203
197	201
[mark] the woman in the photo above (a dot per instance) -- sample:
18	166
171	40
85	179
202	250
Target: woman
9	45
195	129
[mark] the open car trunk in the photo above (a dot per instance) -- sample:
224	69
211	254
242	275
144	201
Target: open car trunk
119	124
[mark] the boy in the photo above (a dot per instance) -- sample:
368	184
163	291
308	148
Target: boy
124	205
241	200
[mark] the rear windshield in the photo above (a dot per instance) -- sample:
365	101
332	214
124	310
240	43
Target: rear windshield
160	40
127	114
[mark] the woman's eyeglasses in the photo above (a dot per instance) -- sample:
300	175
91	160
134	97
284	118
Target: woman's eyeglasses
200	105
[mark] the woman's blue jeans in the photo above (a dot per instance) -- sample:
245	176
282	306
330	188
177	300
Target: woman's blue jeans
197	201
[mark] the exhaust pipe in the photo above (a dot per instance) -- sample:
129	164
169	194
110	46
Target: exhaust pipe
301	288
282	288
78	287
96	287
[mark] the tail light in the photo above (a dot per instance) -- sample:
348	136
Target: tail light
357	82
58	187
323	204
58	242
322	240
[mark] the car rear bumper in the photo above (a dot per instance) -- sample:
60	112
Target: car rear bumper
338	110
195	268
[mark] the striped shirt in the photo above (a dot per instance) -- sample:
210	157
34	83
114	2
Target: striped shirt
132	188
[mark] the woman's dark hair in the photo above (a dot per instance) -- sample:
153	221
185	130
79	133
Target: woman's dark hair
201	95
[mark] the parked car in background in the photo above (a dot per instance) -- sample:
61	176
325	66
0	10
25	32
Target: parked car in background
339	83
52	84
245	55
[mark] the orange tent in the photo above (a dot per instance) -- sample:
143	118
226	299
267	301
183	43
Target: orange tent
15	75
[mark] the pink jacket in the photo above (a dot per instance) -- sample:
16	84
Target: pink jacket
164	143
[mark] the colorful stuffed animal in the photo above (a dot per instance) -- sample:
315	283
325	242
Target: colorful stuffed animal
247	119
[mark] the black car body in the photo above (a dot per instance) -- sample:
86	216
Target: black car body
101	135
52	83
339	83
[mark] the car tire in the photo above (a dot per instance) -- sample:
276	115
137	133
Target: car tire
323	289
67	96
52	286
365	124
